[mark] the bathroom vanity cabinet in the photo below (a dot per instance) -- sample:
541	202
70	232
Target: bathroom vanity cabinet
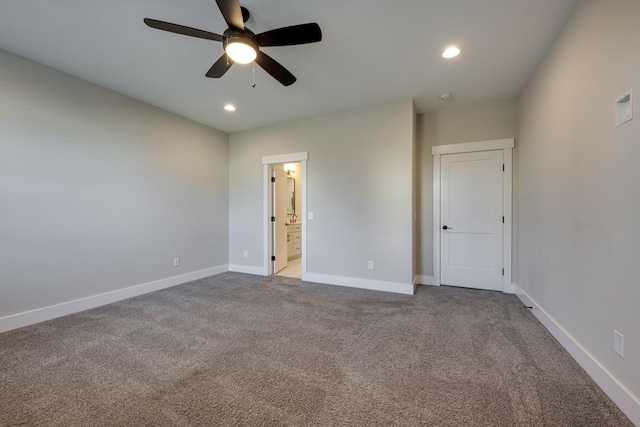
294	240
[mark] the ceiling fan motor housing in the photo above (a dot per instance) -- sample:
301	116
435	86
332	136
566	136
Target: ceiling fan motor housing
236	36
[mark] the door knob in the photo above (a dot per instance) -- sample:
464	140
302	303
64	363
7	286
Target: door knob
444	227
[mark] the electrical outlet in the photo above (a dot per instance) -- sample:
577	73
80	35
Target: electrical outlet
246	254
370	266
618	343
310	215
176	262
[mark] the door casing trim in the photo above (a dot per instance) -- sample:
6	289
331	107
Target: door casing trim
507	145
267	233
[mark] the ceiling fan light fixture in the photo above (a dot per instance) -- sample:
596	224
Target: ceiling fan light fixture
241	49
242	45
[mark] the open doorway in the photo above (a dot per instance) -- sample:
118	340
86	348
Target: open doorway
285	208
289	203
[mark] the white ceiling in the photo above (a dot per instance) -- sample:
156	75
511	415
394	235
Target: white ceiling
372	52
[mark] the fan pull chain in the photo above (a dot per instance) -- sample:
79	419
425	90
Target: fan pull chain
254	75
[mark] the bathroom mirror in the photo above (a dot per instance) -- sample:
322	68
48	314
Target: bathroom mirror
291	196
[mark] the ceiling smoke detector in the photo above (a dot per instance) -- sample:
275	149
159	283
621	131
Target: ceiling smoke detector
445	96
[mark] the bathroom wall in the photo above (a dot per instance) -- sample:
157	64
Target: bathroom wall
296	174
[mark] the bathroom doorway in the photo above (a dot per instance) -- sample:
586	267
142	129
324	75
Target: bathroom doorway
285	208
292	235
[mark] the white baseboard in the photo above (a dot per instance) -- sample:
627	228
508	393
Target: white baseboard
429	280
621	396
353	282
509	288
248	269
424	280
38	315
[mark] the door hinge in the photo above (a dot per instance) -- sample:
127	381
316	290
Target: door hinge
273	179
503	271
273	258
273	219
503	220
503	167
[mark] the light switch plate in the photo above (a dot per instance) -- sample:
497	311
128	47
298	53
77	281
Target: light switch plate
624	108
618	343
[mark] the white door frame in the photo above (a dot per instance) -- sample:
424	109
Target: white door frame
507	146
267	239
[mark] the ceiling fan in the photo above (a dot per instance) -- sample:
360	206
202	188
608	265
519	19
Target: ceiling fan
241	45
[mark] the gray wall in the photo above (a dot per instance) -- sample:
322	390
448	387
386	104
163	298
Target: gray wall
359	189
579	185
496	120
100	192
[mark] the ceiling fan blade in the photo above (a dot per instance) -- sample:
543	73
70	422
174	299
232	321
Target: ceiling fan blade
276	70
181	29
231	13
289	36
220	67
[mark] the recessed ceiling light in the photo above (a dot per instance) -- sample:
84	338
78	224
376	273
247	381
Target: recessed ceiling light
451	52
230	107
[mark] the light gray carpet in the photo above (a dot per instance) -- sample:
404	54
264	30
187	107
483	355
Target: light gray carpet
236	349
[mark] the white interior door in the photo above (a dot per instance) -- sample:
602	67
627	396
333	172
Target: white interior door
280	214
471	219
